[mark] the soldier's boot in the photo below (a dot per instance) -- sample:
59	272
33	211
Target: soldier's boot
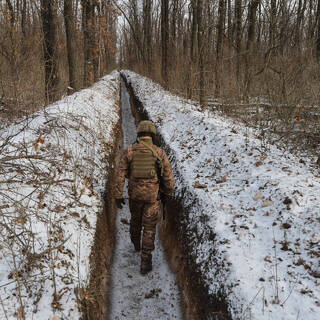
137	246
146	257
147	247
146	267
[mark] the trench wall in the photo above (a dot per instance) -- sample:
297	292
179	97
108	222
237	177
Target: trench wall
96	305
198	303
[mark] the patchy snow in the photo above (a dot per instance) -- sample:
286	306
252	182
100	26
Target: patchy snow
135	296
52	172
255	215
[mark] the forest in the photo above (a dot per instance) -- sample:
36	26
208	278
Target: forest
232	88
204	50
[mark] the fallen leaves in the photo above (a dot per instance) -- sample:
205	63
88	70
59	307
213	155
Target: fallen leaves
222	180
286	225
58	209
199	185
36	143
153	293
74	214
258	196
258	163
124	221
267	203
86	222
305	291
268	259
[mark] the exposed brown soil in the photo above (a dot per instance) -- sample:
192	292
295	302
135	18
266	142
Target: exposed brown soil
95	301
197	302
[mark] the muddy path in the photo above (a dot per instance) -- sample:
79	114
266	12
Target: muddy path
133	296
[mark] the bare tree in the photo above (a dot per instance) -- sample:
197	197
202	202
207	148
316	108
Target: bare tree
220	36
193	47
23	17
230	23
273	17
50	47
164	39
71	44
11	10
300	17
318	32
201	49
238	18
147	33
252	18
89	42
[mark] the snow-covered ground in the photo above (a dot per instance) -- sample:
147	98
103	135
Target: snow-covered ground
52	175
151	297
255	215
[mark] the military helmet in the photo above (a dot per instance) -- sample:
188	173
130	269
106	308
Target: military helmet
146	126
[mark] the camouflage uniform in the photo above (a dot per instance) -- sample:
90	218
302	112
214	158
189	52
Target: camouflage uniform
143	193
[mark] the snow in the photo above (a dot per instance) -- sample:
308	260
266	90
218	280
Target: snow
135	296
53	167
253	210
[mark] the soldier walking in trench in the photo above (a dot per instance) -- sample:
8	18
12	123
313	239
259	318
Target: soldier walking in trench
150	178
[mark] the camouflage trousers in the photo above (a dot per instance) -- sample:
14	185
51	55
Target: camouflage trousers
144	215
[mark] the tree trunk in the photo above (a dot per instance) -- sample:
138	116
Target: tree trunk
50	47
194	31
318	32
174	16
211	22
23	18
193	46
89	43
238	18
310	21
147	34
11	10
71	44
252	17
300	17
273	17
283	23
201	50
220	31
230	23
164	40
259	25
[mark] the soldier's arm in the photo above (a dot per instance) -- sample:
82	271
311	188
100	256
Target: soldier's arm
167	180
121	173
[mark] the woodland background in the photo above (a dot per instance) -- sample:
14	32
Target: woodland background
227	54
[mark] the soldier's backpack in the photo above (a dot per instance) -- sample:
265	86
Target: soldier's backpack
146	163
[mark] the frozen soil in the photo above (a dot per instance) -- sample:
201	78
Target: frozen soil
133	296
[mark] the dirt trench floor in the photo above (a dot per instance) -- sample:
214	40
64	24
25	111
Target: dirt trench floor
133	296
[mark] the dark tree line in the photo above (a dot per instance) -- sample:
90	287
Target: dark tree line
47	46
226	49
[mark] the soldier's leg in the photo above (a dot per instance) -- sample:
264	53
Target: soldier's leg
149	222
136	222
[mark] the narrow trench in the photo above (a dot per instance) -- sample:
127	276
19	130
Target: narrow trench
117	290
133	296
196	301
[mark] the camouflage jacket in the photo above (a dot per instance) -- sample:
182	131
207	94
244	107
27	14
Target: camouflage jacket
143	189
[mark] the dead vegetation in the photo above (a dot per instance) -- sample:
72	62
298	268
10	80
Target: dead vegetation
48	188
255	60
28	38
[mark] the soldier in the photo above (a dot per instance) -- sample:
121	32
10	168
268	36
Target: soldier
150	177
